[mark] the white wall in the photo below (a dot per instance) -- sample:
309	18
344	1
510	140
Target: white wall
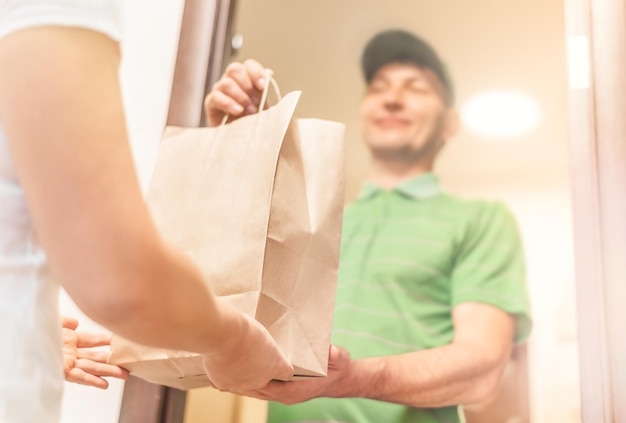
149	52
545	218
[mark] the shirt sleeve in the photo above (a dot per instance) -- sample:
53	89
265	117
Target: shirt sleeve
104	16
490	268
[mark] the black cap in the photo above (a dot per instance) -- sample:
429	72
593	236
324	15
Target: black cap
397	45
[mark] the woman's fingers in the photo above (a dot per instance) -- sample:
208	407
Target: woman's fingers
88	340
69	322
93	355
81	377
100	369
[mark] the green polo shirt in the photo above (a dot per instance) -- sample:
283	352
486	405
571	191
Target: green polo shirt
408	257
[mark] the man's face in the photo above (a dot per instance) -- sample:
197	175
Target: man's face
403	113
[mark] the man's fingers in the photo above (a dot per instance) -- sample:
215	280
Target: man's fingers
101	369
238	92
283	392
257	73
218	104
240	76
254	394
337	356
232	89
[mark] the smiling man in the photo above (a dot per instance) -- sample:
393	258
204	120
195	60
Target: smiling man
431	294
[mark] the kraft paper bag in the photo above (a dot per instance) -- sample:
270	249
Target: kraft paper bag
257	204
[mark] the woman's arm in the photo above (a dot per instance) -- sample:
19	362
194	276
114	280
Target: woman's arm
61	108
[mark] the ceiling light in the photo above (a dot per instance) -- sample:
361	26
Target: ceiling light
501	114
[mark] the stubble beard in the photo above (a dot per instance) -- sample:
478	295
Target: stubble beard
406	153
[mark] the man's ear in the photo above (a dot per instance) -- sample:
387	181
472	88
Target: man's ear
451	124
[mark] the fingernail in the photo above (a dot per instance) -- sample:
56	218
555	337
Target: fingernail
261	83
251	109
236	109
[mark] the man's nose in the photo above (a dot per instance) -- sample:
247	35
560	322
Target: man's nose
393	99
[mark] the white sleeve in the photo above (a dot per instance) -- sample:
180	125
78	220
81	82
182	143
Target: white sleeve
103	16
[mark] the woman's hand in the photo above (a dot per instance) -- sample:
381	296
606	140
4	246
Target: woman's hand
81	362
247	362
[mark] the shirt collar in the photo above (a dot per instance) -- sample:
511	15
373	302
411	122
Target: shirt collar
418	188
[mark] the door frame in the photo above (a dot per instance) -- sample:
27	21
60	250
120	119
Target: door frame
596	34
203	49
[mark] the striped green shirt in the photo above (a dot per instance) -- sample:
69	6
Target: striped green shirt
408	257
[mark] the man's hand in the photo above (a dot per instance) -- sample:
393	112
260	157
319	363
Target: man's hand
297	391
237	93
82	364
466	371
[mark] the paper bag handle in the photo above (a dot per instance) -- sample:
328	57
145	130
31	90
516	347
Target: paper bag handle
269	81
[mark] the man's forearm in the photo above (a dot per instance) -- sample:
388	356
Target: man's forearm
466	372
449	375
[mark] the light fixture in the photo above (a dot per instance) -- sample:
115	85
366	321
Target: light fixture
236	42
501	114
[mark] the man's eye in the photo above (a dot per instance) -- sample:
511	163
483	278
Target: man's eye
376	88
419	88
